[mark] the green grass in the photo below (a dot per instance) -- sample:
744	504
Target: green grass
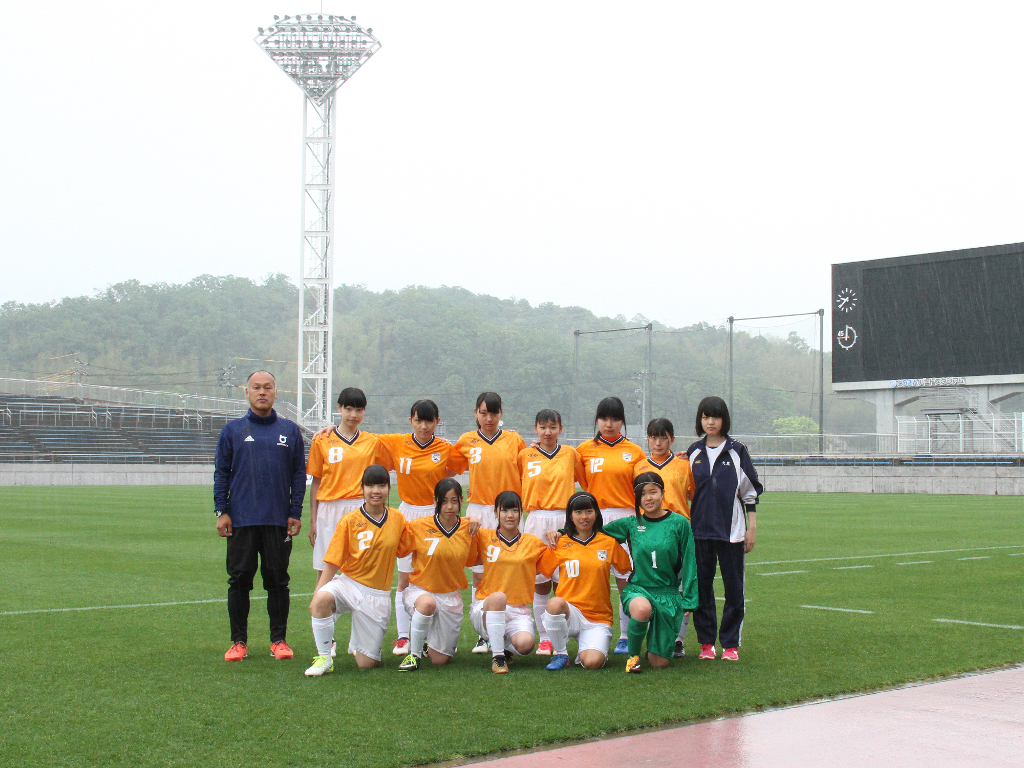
147	686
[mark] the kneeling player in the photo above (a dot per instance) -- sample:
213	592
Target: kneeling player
358	566
511	561
442	547
663	588
583	607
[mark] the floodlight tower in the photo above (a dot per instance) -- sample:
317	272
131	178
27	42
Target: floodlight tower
319	53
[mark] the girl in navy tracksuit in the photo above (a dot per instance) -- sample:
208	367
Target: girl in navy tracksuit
722	516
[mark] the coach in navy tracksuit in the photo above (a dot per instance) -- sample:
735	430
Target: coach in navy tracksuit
259	482
723	519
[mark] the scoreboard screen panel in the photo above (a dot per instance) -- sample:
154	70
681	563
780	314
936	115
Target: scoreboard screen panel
933	316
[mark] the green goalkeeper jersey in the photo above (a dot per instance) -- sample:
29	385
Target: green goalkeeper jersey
662	550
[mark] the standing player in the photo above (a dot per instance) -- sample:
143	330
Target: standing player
724	524
338	457
356	578
442	547
549	473
663	586
492	456
608	461
420	460
511	562
675	471
583	607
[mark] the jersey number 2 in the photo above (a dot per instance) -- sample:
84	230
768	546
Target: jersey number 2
364	537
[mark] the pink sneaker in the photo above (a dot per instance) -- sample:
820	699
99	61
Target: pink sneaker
730	654
707	651
545	648
400	647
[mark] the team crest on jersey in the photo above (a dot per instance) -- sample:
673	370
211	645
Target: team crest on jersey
436	458
627	456
602	554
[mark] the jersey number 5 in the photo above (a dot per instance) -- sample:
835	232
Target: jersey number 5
532	468
364	537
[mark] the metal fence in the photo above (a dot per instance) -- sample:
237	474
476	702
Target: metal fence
960	433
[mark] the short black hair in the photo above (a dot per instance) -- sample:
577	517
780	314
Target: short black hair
351	397
508	500
610	408
441	490
425	410
642	480
548	414
579	501
375	474
715	407
661	428
491	401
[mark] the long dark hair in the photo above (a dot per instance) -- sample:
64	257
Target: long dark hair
441	490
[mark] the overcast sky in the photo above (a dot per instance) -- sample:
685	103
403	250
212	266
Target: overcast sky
687	161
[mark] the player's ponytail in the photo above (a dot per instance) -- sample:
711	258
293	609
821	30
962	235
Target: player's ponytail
642	480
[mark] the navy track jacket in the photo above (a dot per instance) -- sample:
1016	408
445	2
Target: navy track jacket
259	475
724	493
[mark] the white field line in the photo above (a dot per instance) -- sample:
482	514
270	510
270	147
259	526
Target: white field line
825	608
1015	554
893	554
137	605
979	624
850	567
780	573
916	562
976	557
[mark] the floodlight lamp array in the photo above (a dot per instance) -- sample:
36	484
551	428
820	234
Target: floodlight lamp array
319	53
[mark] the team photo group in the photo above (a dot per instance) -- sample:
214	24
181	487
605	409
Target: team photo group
544	529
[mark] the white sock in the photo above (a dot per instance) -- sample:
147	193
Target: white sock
323	634
558	629
540	609
623	623
495	621
401	616
682	629
418	634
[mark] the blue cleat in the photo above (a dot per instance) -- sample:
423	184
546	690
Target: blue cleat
558	661
622	647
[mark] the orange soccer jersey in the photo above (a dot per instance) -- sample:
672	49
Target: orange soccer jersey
609	468
439	557
365	549
511	566
340	463
550	479
678	479
418	468
493	464
585	566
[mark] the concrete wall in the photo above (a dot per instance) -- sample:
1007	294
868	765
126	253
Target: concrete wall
1001	481
106	474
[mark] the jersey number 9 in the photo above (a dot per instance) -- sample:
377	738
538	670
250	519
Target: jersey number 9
492	553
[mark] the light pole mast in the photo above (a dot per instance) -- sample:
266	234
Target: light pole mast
319	53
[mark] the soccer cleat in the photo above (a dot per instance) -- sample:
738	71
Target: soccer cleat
730	654
280	650
509	658
633	665
707	651
558	661
409	664
679	651
482	646
236	652
545	648
334	649
621	647
400	647
321	666
498	665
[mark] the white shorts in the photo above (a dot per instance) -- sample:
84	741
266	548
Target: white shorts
485	512
412	512
443	634
538	523
617	513
328	514
518	618
370	609
591	635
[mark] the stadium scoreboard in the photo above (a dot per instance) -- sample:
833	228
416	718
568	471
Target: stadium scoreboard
930	319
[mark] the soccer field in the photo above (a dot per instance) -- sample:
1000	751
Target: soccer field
113	623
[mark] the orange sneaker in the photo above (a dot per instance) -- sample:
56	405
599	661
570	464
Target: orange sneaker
280	650
236	652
